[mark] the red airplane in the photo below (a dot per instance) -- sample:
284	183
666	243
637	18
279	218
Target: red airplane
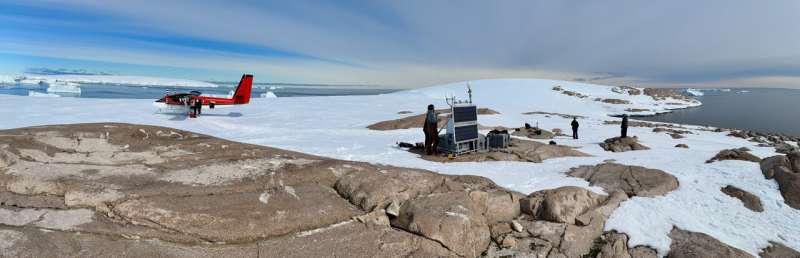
194	101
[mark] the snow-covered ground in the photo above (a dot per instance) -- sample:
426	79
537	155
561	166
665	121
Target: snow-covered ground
107	79
336	127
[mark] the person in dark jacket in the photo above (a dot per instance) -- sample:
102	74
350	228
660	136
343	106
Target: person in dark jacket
624	125
430	128
198	106
575	128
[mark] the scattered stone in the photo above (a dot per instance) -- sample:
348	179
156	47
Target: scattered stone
778	250
636	110
614	101
735	154
518	150
554	114
627	90
533	133
687	244
785	148
682	145
663	94
749	200
516	226
619	144
569	93
633	180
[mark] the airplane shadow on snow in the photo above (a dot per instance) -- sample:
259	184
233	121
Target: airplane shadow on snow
184	116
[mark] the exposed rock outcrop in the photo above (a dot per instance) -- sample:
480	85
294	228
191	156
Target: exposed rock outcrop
518	150
619	144
735	154
633	180
533	133
785	169
686	244
101	187
682	145
749	200
561	222
416	121
777	250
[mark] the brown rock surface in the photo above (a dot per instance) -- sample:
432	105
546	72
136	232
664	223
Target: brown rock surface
777	250
619	144
749	200
416	121
633	180
518	150
686	244
453	219
779	168
735	154
100	190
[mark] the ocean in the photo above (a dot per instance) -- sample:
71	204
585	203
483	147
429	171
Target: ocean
762	110
155	92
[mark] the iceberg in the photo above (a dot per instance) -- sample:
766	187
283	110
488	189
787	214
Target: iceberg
64	87
40	94
268	95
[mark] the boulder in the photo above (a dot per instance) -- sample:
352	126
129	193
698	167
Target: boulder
686	244
615	246
735	154
633	180
452	219
778	167
682	145
789	184
778	250
772	165
563	204
369	189
619	144
749	200
794	161
785	148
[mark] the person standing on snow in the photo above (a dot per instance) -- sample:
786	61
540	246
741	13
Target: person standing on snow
430	129
624	125
575	128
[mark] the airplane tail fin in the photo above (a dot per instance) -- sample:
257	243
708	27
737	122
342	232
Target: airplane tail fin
243	91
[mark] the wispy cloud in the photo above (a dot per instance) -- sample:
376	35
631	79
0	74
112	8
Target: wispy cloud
418	43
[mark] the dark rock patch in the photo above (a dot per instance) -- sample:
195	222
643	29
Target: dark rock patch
686	244
735	154
633	180
619	144
777	250
749	200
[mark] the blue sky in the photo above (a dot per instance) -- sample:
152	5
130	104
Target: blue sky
412	43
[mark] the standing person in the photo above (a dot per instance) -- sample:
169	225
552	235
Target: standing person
198	105
575	128
430	129
624	125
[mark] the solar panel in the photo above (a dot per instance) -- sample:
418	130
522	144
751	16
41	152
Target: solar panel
465	114
467	132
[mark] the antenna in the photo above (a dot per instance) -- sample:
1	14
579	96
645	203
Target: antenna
469	91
